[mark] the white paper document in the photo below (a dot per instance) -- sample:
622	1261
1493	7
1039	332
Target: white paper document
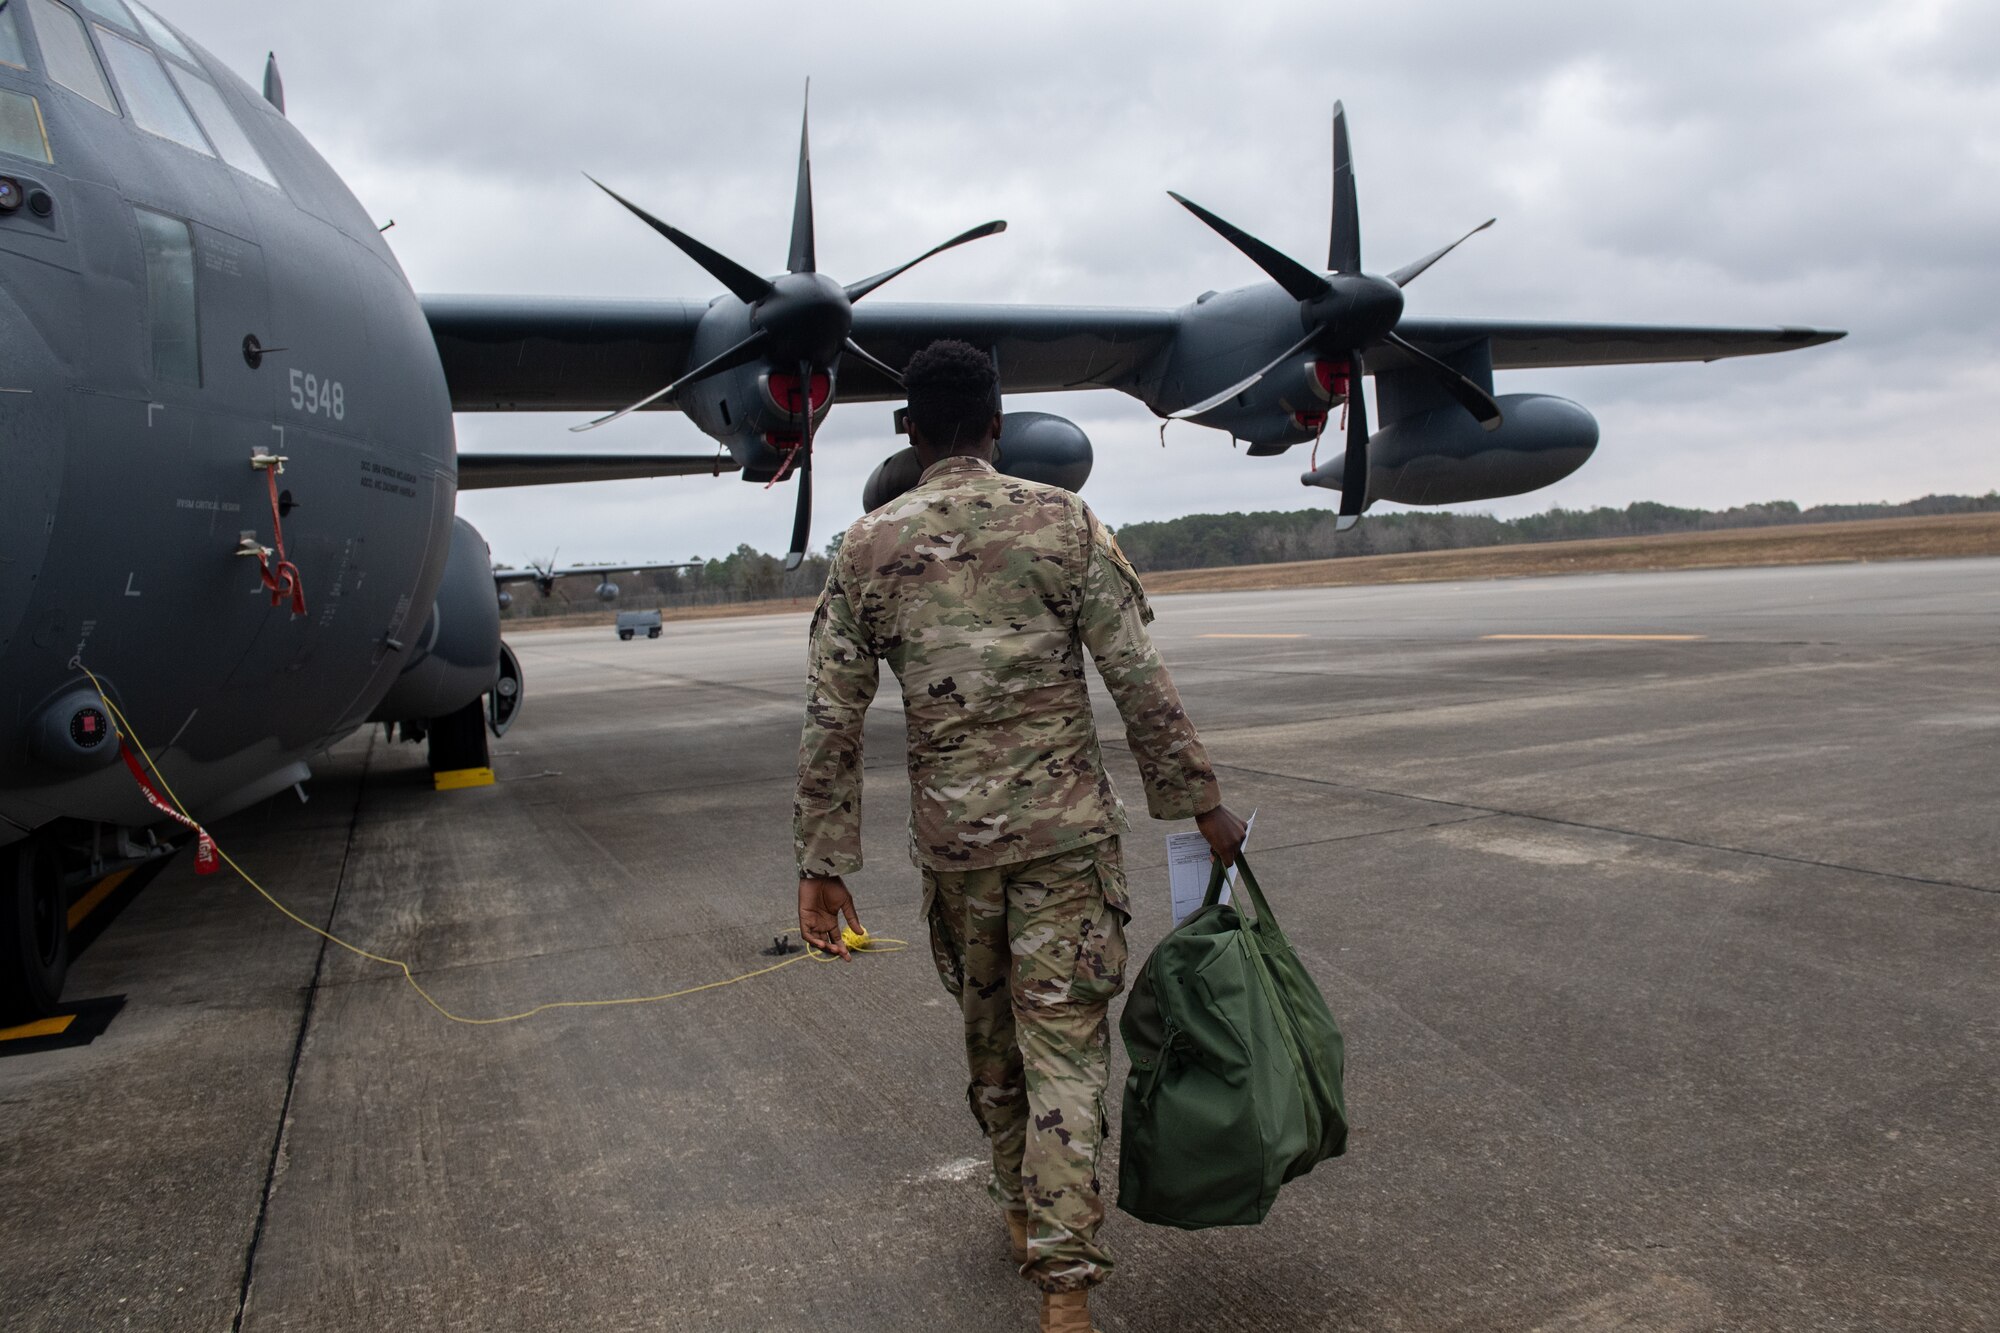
1188	863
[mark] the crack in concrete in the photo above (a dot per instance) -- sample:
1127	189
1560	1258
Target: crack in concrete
1669	838
298	1053
725	935
1528	696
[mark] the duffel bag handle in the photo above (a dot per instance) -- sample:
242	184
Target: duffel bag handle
1214	894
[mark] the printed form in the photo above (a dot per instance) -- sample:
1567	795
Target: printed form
1188	862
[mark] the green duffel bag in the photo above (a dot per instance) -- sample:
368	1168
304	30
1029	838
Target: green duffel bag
1236	1068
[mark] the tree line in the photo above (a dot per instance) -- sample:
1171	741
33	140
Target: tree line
1204	541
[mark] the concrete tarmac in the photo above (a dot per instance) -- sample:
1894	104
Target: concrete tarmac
1667	966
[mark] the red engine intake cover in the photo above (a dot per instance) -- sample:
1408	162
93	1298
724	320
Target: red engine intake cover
1334	378
783	388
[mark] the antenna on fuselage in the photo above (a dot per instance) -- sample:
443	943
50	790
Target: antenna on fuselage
274	83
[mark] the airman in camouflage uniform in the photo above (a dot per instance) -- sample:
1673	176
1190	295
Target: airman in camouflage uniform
983	593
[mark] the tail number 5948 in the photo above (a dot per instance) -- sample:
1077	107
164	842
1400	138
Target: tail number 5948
310	393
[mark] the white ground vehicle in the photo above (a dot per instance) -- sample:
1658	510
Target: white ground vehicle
631	622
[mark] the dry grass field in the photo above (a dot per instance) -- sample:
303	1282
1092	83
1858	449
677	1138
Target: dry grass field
1956	535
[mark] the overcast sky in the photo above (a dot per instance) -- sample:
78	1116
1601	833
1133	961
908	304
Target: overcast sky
1833	163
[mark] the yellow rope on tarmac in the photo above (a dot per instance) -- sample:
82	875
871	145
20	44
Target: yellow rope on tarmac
857	943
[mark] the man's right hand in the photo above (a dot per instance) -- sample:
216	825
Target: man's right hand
823	900
1224	831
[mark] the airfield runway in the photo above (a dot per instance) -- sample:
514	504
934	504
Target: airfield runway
1667	964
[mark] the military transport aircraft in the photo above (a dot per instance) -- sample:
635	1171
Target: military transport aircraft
544	577
231	470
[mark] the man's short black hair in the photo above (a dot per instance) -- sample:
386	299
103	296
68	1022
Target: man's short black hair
954	393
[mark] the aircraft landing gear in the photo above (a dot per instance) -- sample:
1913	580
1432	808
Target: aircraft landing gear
34	932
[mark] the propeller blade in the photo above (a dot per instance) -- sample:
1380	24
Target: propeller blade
801	260
744	285
1217	400
1469	395
1402	276
857	290
860	353
1354	469
802	516
1343	249
746	351
1300	282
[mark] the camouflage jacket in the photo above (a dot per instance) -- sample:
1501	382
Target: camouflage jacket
982	592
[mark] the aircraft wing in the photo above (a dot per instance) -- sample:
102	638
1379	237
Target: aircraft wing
479	472
1039	348
561	354
557	354
1525	344
504	353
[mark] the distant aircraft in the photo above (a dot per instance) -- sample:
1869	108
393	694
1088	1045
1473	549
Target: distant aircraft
232	470
544	577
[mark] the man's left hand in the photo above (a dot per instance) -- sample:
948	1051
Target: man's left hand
823	900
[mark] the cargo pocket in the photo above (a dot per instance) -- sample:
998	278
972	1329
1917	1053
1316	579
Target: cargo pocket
1100	944
947	951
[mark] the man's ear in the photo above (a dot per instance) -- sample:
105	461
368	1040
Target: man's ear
996	430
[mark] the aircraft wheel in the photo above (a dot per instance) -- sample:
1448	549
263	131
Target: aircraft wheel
34	932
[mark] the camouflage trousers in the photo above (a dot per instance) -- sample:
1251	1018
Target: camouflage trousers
1034	952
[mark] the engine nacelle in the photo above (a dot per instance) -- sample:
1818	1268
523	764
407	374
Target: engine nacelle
607	591
456	658
1441	456
1034	446
1287	407
758	411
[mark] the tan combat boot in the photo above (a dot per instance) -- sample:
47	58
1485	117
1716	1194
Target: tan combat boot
1066	1312
1017	1236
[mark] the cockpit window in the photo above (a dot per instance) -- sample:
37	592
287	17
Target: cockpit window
223	131
10	38
112	10
163	36
149	94
66	51
170	309
21	130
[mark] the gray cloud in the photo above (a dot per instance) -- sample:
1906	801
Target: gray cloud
1707	162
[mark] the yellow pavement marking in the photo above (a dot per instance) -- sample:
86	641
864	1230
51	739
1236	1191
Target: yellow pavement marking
1606	638
1252	636
103	889
452	779
47	1027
